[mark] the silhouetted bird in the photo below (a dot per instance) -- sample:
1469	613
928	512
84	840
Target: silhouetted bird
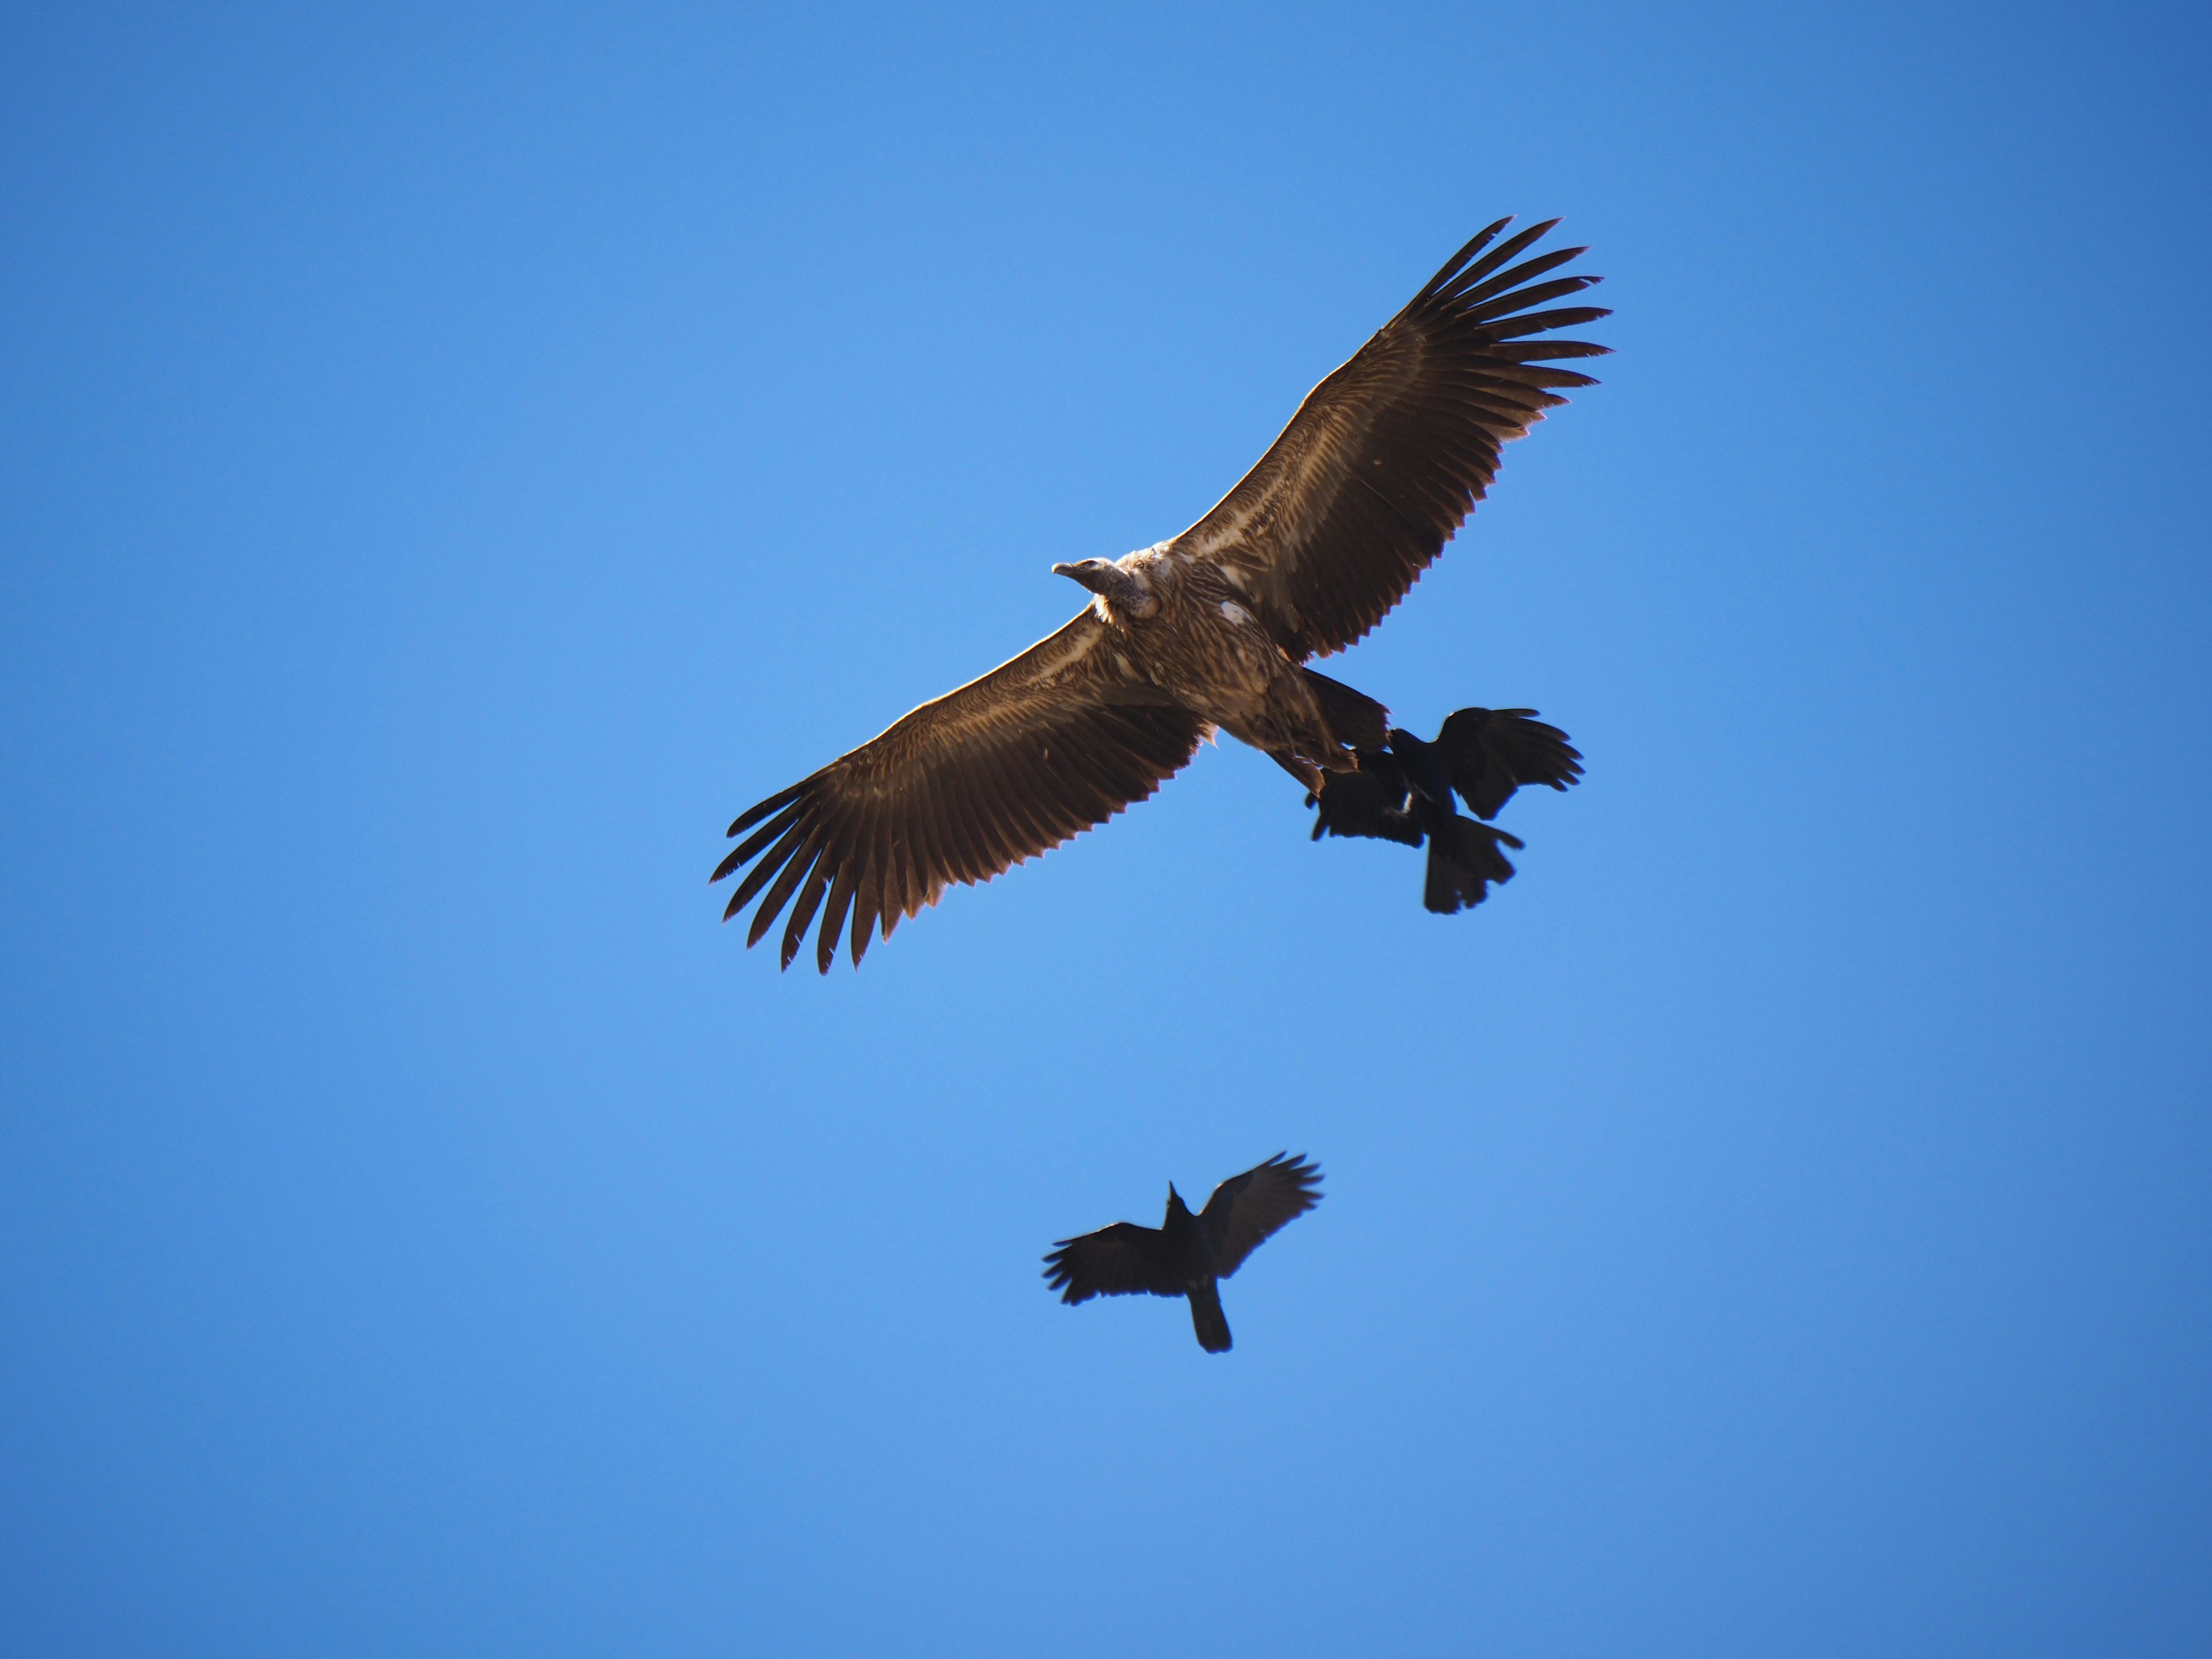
1186	1253
1404	793
1360	492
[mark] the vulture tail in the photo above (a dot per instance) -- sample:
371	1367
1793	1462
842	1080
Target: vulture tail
1206	1317
1355	719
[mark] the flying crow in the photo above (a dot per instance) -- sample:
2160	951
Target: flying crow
1186	1253
1403	792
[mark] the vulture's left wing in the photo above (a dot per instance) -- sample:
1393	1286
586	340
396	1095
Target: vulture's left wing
1059	739
1245	1209
1388	455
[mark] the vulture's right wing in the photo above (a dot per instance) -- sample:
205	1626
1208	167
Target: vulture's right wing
1122	1259
1245	1209
1386	456
1059	739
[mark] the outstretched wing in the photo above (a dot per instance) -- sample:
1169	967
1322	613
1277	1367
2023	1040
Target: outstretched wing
1388	455
1122	1259
1495	751
1059	739
1245	1209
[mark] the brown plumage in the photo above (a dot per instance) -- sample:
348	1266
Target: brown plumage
1381	464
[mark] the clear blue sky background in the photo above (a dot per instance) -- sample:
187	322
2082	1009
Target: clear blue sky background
453	459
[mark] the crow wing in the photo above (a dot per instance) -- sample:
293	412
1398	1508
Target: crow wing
1052	743
1245	1209
1122	1259
1388	455
1494	751
1370	802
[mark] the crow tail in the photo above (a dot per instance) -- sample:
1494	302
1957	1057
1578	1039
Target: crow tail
1464	861
1206	1317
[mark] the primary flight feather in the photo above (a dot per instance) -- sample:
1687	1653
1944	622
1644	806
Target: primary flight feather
1382	463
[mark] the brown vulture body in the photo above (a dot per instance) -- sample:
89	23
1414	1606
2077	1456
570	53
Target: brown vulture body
1380	465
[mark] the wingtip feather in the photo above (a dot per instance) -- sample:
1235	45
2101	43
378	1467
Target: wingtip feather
753	815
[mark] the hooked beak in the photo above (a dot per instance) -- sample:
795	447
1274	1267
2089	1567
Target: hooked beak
1131	599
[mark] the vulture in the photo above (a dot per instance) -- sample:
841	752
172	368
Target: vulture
1186	1253
1210	631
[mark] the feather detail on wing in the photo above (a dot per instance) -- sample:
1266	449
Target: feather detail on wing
1122	1259
1245	1209
1388	456
1039	749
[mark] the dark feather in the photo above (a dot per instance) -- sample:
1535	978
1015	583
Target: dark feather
1355	719
1371	802
1206	1318
1122	1259
1464	859
1246	1208
1494	751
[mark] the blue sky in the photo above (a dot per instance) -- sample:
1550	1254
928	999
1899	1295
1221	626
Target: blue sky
451	461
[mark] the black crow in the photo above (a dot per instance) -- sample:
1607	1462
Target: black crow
1186	1253
1403	792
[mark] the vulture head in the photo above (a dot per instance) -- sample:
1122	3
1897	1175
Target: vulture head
1175	1205
1126	596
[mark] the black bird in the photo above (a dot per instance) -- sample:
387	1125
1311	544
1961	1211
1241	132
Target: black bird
1210	630
1186	1253
1403	792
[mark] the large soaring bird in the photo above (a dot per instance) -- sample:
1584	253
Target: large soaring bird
1380	465
1186	1253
